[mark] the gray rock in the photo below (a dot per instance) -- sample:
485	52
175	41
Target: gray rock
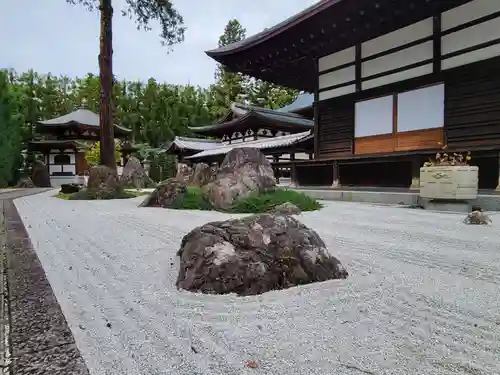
102	179
165	193
184	172
202	175
134	175
26	183
477	218
254	255
244	171
287	208
40	174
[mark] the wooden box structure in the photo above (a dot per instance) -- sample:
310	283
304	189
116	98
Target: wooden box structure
393	81
449	182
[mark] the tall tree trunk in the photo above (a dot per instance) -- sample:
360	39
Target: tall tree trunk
107	148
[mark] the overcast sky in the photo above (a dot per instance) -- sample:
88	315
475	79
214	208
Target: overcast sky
53	36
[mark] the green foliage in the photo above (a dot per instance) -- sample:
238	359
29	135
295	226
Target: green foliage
87	195
266	202
236	87
144	12
192	200
162	167
254	204
93	154
10	130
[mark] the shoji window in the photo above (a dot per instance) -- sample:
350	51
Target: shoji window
421	109
374	116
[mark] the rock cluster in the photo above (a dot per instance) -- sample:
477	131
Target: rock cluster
134	175
243	172
254	255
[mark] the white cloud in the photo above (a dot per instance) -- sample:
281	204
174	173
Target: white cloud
53	36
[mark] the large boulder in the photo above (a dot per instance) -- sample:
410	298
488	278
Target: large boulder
254	255
184	172
134	175
165	193
103	179
243	172
202	174
25	183
40	174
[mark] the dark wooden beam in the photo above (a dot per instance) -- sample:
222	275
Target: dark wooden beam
316	111
436	43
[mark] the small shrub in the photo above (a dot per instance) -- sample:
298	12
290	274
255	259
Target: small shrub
192	200
87	195
266	202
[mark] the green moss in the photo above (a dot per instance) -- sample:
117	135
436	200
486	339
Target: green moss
193	200
266	202
86	195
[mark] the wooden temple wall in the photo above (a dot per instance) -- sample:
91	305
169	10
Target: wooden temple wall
431	83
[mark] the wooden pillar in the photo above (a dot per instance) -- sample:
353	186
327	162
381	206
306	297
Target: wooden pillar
293	176
498	170
416	163
276	168
336	175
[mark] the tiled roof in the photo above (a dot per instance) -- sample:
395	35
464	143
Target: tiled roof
283	141
197	144
247	112
303	101
80	116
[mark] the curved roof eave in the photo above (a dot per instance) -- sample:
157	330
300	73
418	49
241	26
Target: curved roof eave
272	31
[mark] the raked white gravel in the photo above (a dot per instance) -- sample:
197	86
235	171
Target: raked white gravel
423	294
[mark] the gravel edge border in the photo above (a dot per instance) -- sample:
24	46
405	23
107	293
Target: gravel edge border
49	358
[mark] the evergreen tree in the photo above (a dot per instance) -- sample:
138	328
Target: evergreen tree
144	12
230	87
10	129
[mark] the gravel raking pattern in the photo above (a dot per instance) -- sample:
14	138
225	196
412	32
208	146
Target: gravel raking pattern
423	295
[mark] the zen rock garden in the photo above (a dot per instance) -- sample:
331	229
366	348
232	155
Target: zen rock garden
247	256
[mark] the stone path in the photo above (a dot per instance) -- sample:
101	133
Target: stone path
422	298
35	336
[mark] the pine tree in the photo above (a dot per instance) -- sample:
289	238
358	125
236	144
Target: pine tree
230	87
144	12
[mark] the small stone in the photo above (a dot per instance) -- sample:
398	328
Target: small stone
252	364
108	324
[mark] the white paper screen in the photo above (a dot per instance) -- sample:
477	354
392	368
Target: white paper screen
374	117
421	109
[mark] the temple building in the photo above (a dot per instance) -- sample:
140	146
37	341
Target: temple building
63	147
392	82
283	135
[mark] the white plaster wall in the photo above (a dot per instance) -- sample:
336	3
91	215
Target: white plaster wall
71	154
400	59
336	59
397	77
337	77
397	38
468	12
